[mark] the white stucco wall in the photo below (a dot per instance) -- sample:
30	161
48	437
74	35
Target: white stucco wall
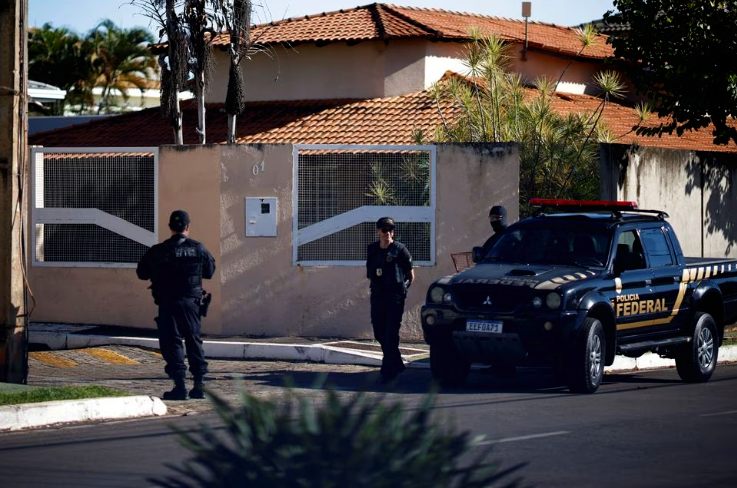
257	290
307	72
697	190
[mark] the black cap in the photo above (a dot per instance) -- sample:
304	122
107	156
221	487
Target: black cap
385	222
179	220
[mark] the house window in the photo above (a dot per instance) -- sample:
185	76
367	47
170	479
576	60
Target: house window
93	208
342	191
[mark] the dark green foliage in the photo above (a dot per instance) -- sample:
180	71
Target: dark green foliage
682	55
108	57
558	153
357	442
235	100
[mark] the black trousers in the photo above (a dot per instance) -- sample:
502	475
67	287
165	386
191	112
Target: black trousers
179	319
387	308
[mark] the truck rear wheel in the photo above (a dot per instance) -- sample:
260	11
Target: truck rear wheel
447	366
697	360
586	365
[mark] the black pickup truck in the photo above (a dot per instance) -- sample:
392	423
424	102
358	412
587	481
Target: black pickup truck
573	289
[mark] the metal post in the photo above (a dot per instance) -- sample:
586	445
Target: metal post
13	104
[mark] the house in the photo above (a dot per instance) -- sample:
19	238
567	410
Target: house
354	76
361	75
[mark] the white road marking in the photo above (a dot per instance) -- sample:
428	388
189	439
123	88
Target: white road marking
523	438
731	412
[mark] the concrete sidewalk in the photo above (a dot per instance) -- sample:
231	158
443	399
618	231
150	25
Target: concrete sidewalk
60	337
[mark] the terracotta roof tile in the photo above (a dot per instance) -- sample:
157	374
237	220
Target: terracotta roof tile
375	121
382	22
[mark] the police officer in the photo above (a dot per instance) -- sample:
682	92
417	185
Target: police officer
498	221
389	269
176	268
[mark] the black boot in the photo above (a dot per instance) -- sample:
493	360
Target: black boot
179	392
198	391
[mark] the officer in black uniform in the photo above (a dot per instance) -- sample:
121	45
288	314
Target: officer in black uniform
176	268
498	221
389	268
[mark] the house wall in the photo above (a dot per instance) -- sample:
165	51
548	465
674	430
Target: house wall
256	289
188	179
405	66
376	69
696	189
264	294
306	72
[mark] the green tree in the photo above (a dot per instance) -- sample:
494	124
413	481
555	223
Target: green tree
121	61
682	56
107	57
61	58
558	152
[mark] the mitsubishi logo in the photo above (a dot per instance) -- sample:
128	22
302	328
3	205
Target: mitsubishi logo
487	301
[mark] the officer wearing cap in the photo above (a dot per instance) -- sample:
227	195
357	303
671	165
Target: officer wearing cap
389	269
176	268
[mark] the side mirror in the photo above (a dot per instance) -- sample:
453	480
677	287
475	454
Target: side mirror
477	254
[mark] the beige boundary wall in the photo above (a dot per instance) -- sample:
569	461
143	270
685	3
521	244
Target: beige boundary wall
696	189
256	290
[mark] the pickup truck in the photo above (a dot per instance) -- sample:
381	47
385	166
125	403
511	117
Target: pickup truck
573	286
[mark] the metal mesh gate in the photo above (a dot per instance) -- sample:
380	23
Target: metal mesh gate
93	207
341	191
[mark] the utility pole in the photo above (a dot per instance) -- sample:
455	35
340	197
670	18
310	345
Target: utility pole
13	106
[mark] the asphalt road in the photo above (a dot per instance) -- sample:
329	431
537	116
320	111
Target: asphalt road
643	429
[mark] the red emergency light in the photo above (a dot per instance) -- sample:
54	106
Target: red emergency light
583	204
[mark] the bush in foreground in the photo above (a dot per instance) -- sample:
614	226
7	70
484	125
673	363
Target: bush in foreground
332	443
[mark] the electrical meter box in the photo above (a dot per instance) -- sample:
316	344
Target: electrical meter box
260	217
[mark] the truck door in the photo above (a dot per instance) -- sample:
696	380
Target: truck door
668	291
632	288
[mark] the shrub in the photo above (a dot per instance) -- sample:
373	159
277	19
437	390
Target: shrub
358	442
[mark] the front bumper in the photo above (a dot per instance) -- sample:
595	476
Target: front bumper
535	335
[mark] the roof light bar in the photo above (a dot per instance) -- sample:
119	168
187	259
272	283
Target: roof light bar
583	204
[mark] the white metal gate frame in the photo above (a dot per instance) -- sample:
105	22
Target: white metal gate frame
40	215
366	213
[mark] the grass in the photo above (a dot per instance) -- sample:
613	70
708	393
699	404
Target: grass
58	393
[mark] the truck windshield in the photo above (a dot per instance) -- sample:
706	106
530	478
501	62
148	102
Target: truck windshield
570	246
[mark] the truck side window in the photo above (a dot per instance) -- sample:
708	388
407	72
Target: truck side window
629	251
656	247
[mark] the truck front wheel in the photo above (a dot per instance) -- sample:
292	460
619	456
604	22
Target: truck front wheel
447	366
697	360
586	364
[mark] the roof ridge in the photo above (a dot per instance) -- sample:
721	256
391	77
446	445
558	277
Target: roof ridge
474	15
392	9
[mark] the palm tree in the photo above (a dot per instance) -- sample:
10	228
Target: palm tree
558	153
61	58
120	61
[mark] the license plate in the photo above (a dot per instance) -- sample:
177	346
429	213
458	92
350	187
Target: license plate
491	326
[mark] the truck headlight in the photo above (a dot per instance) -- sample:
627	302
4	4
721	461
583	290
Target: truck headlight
552	300
436	294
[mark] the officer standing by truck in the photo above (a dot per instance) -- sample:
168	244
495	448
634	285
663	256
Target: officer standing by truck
176	268
498	221
389	269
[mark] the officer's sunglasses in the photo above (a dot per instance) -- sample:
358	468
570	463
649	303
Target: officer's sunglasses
386	230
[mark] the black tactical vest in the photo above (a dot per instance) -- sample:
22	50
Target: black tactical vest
181	271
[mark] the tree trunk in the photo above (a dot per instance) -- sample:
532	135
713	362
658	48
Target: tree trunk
200	94
231	128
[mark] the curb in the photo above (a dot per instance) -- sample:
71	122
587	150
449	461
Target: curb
218	349
313	352
44	414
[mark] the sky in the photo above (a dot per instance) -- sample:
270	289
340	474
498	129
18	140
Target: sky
83	15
